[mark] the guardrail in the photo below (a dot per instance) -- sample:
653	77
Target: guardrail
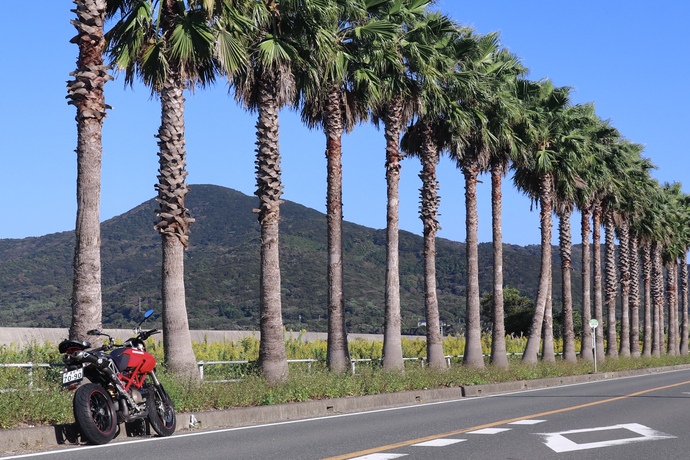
30	371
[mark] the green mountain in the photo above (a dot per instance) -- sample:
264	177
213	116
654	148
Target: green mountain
222	270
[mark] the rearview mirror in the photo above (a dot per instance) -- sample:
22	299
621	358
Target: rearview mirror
93	332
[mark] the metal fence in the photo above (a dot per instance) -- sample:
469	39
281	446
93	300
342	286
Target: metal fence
242	365
29	372
353	364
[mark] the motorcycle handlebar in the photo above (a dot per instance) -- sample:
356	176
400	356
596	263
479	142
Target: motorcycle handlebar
145	335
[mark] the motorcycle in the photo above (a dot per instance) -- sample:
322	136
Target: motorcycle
116	384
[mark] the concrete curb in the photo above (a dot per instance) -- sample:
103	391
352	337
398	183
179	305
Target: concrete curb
23	439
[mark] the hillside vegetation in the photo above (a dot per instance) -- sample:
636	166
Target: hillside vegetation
222	270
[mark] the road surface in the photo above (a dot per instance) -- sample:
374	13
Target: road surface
629	418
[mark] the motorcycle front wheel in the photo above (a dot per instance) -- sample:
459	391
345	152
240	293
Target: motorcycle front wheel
95	414
161	411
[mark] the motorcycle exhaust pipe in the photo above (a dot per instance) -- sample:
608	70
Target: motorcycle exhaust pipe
126	416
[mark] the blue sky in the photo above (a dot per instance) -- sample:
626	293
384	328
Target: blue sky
628	57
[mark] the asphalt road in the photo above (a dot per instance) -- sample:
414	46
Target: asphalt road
644	417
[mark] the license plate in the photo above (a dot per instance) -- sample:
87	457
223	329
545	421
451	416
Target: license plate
73	376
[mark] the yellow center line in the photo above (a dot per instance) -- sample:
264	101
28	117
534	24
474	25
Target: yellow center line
494	424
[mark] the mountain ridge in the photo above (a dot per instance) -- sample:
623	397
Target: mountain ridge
222	270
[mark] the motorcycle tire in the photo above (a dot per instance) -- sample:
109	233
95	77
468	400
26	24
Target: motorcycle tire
95	414
161	411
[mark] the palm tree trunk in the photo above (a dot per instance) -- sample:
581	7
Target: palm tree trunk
624	264
392	340
611	286
634	296
548	352
499	355
338	355
586	351
85	92
671	290
272	354
473	343
566	278
177	341
173	225
596	275
649	316
657	292
429	215
684	303
531	353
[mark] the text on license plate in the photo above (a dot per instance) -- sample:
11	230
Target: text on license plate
73	376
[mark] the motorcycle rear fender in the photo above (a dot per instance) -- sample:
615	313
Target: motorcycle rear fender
70	346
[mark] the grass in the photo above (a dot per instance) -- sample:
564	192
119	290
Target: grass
47	404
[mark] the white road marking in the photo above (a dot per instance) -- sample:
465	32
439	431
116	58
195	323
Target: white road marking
439	442
527	422
558	442
489	431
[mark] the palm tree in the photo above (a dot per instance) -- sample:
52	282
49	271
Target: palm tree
587	199
633	254
544	136
657	292
637	173
617	164
644	227
644	193
685	242
491	105
85	92
426	139
287	31
627	169
170	46
596	277
568	182
605	196
610	283
337	102
585	230
684	303
399	59
648	227
674	223
504	117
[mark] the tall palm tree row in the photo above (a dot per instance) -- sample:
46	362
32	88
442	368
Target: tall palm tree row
394	62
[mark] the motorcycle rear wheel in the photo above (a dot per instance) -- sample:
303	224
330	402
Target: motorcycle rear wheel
95	414
161	411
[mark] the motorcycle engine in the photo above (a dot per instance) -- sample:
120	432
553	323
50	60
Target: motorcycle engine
137	396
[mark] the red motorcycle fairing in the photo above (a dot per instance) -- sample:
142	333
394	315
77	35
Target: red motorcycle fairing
134	365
